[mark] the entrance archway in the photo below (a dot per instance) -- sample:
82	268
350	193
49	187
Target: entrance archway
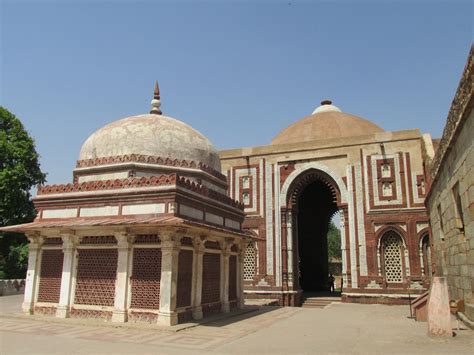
316	206
313	198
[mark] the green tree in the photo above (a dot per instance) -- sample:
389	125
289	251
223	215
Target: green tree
334	241
19	172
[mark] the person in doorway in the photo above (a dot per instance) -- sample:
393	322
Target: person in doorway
331	280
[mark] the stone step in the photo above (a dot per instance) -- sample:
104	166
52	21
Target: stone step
319	302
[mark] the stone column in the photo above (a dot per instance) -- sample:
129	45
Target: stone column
169	279
289	240
225	254
119	314
32	273
240	274
66	278
197	277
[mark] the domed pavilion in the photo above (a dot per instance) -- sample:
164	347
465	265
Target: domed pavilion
146	232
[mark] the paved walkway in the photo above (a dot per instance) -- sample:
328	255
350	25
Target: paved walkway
340	328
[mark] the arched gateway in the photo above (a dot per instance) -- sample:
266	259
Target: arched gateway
309	198
332	162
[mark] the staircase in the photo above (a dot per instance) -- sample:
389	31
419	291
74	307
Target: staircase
319	302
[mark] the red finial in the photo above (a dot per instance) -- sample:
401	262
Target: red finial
157	91
155	103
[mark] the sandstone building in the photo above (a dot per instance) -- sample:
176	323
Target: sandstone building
145	232
334	162
450	200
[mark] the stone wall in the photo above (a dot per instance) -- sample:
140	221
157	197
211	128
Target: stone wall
12	287
454	240
451	197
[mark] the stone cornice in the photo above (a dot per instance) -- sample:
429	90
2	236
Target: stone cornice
117	184
148	159
146	181
460	107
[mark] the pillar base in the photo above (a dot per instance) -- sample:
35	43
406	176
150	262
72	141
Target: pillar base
197	313
225	307
119	316
439	314
27	307
62	312
167	319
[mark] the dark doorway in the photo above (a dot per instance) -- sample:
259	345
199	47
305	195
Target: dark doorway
316	206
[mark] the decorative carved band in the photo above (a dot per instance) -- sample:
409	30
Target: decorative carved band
149	159
308	178
202	190
160	180
146	181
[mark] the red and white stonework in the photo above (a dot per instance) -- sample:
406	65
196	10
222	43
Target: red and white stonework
145	232
342	163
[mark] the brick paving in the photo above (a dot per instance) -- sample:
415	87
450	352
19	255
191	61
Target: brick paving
339	328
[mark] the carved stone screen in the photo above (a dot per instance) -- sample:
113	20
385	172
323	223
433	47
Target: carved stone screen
232	278
392	258
146	277
50	276
96	274
249	262
185	278
211	278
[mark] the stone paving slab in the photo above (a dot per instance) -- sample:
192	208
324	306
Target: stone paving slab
341	329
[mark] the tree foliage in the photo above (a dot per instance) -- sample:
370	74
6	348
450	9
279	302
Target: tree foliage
334	242
19	172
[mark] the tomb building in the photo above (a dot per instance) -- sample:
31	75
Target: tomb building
146	231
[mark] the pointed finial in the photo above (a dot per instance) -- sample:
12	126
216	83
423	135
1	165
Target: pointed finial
156	103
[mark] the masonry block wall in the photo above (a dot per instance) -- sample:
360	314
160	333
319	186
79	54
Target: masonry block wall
451	205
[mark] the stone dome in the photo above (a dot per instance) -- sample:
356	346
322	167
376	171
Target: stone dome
326	122
152	135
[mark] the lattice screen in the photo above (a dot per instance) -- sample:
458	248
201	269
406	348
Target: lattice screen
393	259
211	277
50	276
249	262
96	274
146	278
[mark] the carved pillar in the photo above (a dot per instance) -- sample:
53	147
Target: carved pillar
225	254
284	249
197	277
33	271
119	314
69	244
169	279
240	273
289	239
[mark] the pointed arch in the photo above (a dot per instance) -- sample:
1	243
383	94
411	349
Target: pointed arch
306	173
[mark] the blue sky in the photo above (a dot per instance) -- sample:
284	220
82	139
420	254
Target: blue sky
238	71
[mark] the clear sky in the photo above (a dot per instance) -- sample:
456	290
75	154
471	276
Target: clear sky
238	71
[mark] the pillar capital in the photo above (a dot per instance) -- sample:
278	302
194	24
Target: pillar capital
35	239
226	245
124	239
170	240
199	243
70	240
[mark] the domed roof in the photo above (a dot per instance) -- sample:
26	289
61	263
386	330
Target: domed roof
326	122
153	135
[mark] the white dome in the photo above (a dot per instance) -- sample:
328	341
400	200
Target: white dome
326	106
153	135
